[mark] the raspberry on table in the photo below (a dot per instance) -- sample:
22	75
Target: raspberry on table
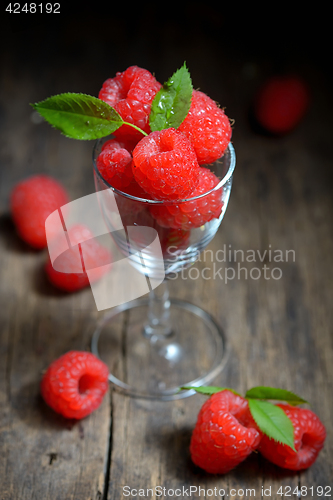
32	201
131	93
225	433
207	127
192	214
309	437
281	103
74	384
70	268
165	165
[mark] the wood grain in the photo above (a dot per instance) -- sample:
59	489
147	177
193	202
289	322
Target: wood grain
279	330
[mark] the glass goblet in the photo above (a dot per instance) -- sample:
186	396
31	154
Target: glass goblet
158	344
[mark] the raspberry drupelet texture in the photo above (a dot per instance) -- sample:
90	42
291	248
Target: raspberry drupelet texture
115	163
67	272
74	385
224	434
165	165
191	214
207	127
309	437
32	201
131	93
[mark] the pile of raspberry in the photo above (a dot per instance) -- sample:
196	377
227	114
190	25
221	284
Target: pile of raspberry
225	434
168	165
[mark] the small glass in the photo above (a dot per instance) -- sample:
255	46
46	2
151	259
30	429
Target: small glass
158	344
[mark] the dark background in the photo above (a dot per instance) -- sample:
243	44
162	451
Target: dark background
214	39
228	49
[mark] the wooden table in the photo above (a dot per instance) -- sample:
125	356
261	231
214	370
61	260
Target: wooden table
279	326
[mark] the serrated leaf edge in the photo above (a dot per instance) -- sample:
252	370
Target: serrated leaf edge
250	400
92	100
294	402
165	87
211	389
74	96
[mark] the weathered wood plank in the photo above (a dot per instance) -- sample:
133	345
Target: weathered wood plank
43	455
280	330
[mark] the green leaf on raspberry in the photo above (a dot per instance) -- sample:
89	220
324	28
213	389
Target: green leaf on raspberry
262	392
172	102
208	390
272	421
79	116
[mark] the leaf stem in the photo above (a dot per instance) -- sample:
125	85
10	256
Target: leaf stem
134	126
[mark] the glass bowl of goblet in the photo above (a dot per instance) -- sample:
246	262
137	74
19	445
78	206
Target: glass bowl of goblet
159	344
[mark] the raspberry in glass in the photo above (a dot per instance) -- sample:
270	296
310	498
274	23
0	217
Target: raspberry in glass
74	385
281	103
32	201
207	127
115	163
225	433
115	166
131	93
309	437
165	165
173	241
192	214
70	271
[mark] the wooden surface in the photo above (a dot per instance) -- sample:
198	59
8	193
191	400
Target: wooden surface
280	330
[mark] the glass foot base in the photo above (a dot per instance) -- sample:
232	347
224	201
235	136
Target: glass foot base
156	367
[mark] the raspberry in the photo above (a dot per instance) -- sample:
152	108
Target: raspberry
131	94
165	165
115	166
173	241
68	274
32	201
281	103
207	127
115	163
74	385
309	437
224	434
191	214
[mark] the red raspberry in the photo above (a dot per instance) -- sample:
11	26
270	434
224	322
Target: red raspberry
281	103
69	274
115	166
115	163
207	127
74	385
191	214
173	241
165	165
32	201
224	434
131	94
309	437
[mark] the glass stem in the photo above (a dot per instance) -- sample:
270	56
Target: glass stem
158	324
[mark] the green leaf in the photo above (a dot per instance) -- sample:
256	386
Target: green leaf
79	116
172	102
209	390
262	392
272	421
